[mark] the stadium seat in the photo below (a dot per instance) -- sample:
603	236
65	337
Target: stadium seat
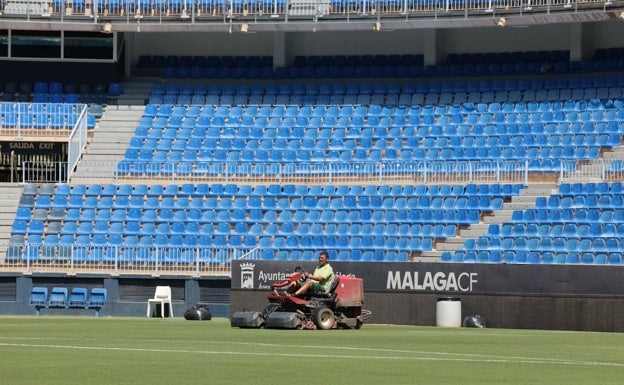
58	297
78	298
38	298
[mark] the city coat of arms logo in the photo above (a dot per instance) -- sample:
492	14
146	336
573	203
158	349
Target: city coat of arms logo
247	275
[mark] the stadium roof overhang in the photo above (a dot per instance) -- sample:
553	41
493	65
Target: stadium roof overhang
318	25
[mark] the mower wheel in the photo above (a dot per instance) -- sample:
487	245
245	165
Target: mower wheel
323	317
270	308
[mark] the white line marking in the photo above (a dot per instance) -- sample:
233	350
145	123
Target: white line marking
482	359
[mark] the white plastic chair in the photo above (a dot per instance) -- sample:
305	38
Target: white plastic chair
162	296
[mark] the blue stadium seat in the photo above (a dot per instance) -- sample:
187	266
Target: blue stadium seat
78	298
58	297
38	297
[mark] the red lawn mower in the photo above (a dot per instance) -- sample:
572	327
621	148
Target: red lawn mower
340	307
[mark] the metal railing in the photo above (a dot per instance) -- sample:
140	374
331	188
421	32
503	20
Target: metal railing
600	170
77	140
323	172
43	120
389	172
431	172
228	11
42	126
123	259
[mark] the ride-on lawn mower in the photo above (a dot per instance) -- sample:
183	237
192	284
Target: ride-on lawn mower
340	307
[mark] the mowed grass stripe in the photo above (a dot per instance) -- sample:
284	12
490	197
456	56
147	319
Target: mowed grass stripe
477	358
77	350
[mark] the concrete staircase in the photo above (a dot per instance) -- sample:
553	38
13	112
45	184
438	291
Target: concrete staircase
525	200
10	194
613	153
135	92
108	144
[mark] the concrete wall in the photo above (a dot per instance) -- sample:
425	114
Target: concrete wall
518	296
127	296
545	311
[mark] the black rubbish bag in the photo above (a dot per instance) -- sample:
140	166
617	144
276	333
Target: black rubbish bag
198	312
475	321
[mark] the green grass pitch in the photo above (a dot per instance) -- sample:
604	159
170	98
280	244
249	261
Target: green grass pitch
85	351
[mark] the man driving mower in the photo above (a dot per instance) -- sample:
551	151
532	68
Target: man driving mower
318	282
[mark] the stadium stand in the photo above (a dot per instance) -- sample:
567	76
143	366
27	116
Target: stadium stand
464	121
389	218
194	133
474	157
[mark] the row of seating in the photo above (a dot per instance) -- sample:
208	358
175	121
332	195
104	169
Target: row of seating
56	92
284	204
146	147
567	110
36	231
417	222
593	82
226	191
145	254
214	213
159	61
252	138
533	257
546	243
416	242
210	252
581	200
577	215
615	187
43	121
389	71
374	116
239	138
512	57
61	297
46	115
354	138
572	230
67	98
342	72
215	162
543	56
340	255
207	162
402	99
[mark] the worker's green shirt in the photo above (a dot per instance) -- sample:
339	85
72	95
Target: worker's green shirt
327	272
